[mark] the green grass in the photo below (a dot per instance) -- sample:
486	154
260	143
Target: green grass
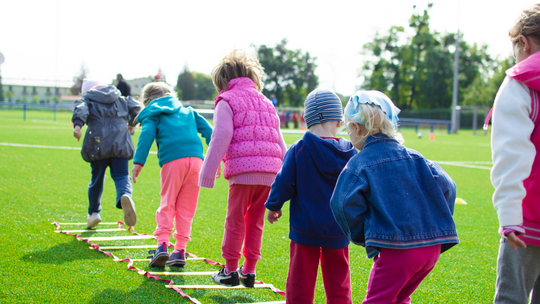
39	186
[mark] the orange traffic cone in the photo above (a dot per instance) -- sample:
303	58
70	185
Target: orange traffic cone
302	127
431	137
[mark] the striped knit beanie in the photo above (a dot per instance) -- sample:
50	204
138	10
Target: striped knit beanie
321	106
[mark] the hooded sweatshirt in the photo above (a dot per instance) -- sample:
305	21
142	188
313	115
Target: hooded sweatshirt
308	177
107	114
174	127
515	140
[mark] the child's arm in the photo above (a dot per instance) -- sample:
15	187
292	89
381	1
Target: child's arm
203	127
446	184
219	144
348	205
284	186
282	145
80	114
145	141
134	108
512	150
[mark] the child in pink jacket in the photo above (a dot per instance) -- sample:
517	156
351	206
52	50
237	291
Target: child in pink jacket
515	143
248	139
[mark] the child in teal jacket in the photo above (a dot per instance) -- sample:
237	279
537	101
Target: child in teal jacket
175	129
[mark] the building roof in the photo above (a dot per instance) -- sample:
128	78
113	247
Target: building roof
36	83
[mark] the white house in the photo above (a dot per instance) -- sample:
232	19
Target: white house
34	91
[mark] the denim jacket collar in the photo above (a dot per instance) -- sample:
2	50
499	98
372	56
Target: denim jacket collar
377	137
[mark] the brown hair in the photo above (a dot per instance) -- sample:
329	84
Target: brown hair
528	25
237	64
155	90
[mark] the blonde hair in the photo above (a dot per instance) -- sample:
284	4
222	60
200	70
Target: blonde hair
375	121
528	25
236	64
155	90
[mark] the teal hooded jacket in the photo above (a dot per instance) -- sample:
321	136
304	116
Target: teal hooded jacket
175	129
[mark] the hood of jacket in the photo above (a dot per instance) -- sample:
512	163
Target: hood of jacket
327	153
527	71
108	94
162	105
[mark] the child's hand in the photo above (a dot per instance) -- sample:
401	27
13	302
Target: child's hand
273	216
130	129
514	241
135	172
218	173
77	132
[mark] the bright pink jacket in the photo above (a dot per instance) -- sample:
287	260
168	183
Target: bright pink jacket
528	73
255	143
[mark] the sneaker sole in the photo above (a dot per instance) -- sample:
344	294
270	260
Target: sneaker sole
130	217
160	260
92	225
176	263
225	284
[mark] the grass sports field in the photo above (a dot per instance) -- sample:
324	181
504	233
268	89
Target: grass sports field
39	185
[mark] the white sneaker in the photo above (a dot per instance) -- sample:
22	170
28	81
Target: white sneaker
93	220
130	217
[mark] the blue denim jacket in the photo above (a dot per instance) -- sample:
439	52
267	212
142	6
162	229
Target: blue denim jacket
390	196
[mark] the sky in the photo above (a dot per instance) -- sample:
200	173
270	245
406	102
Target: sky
53	39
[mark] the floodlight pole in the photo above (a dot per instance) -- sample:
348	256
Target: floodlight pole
455	126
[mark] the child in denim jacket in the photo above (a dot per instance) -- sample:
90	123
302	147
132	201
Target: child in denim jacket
392	201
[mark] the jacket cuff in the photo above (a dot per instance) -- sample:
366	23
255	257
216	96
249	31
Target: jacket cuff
206	182
142	165
78	122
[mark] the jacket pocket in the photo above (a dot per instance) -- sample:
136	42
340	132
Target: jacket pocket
91	150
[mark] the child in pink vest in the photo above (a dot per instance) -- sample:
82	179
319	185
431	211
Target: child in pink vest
247	138
515	141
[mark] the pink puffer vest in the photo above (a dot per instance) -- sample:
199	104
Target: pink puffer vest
254	146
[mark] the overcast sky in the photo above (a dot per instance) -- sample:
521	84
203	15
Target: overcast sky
51	39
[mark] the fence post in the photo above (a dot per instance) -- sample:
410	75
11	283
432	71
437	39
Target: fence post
474	120
55	112
416	127
431	127
24	112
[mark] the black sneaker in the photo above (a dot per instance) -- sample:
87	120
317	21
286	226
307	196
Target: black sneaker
230	279
248	279
177	259
160	256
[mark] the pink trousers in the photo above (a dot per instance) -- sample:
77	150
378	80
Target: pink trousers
396	273
244	224
179	196
303	269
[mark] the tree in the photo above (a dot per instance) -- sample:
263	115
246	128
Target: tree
186	84
289	74
417	71
76	89
204	88
483	89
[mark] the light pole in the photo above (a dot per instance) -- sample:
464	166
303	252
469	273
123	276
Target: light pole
455	120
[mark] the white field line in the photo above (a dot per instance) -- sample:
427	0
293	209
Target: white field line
47	147
465	164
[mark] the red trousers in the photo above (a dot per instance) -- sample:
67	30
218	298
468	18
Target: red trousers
244	225
396	273
303	269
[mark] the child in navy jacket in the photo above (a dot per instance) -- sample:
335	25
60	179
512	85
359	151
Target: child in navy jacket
310	170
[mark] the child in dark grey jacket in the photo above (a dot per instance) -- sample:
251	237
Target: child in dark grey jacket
107	143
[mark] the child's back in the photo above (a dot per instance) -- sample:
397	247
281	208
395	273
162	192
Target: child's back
309	174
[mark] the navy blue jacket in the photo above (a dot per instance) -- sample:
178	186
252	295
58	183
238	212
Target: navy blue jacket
389	196
307	178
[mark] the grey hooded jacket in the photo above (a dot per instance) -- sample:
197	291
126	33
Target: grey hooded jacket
106	113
